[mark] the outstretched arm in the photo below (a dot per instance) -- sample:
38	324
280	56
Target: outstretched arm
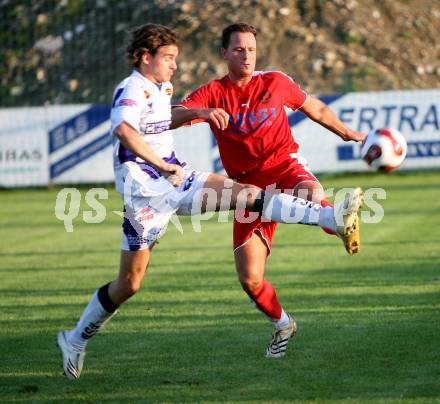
181	115
316	110
130	139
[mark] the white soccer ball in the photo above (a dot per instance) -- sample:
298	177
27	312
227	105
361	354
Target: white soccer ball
384	149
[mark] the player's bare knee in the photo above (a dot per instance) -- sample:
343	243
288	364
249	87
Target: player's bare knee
249	284
128	287
132	287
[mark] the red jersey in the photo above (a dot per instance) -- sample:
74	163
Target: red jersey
258	135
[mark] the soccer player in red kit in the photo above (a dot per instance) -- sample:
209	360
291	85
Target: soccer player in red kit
245	110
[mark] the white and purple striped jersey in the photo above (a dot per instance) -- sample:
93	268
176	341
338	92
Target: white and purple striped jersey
146	107
149	198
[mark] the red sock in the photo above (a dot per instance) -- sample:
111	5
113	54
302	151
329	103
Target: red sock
325	203
266	300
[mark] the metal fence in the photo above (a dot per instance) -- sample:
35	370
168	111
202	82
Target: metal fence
68	51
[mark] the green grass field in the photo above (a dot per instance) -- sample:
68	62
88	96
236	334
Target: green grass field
369	325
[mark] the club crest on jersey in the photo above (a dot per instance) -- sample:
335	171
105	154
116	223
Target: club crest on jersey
265	97
169	91
147	94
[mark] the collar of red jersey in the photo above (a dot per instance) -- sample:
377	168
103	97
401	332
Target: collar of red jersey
228	82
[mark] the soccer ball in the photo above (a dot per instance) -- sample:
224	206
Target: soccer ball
384	149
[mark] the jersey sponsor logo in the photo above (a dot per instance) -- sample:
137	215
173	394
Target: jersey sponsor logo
169	91
157	127
251	120
127	102
146	94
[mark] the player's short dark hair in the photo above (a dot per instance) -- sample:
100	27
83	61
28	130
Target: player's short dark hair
148	38
240	27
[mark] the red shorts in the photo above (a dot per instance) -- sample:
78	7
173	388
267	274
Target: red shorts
285	177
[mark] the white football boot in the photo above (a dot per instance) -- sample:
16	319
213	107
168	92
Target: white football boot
280	338
347	220
73	360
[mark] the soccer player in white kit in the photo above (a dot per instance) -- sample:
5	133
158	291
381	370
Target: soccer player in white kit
154	185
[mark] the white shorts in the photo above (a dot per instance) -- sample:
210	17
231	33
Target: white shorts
150	201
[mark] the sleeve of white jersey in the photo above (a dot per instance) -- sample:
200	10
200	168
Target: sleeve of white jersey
127	106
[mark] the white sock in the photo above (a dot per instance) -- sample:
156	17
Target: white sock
92	320
290	209
283	322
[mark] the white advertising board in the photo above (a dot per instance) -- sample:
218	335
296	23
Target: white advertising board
71	143
23	147
416	114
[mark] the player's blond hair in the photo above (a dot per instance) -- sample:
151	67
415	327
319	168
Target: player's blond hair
148	38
